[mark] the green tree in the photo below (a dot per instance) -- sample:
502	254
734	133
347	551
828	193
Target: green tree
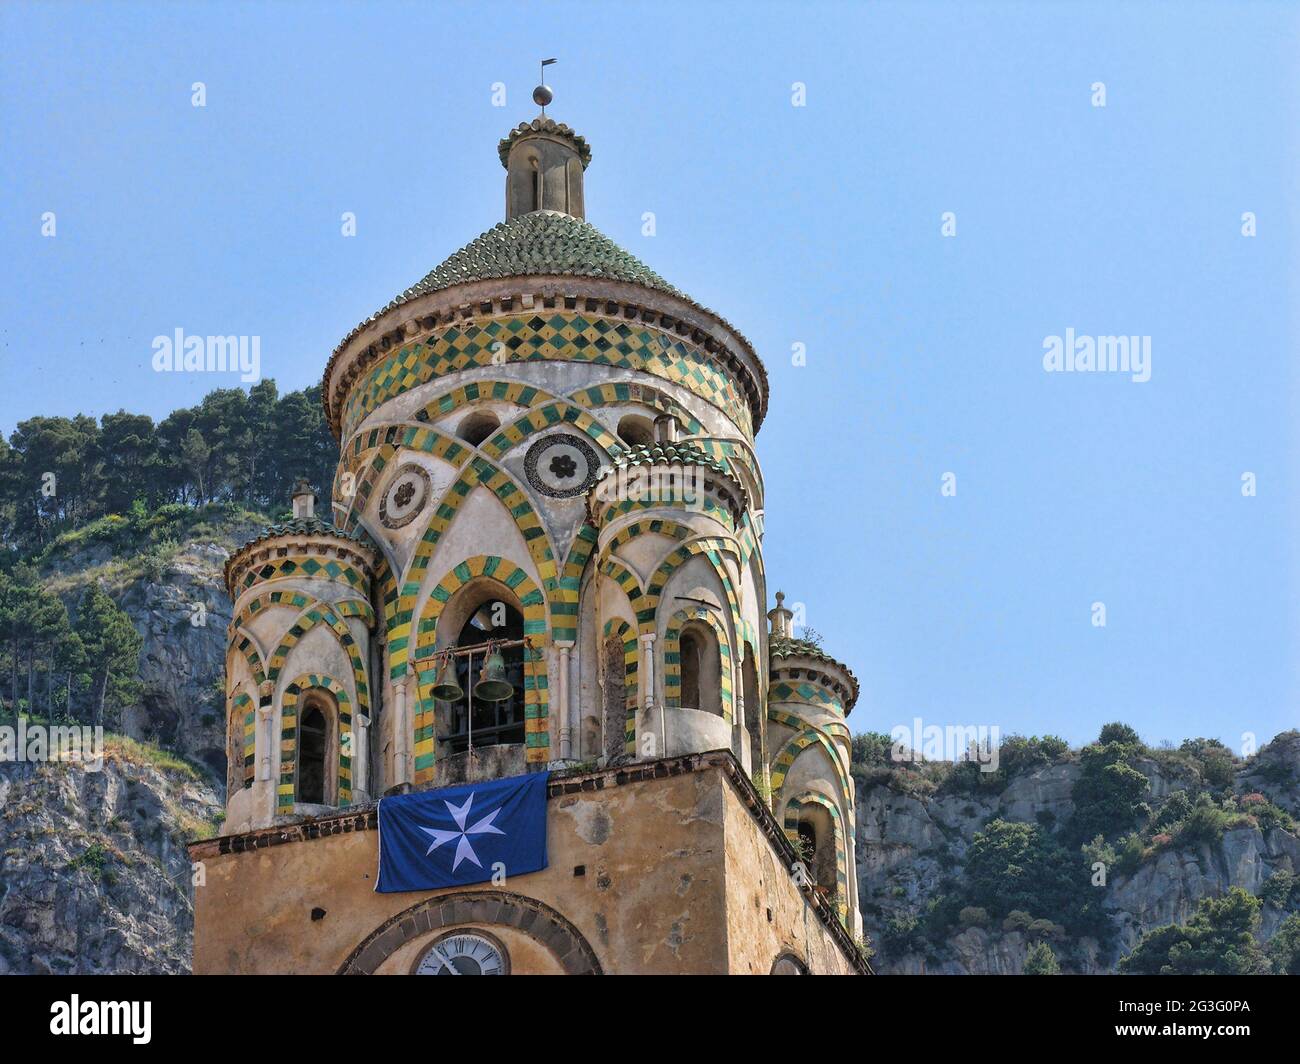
71	662
1217	763
1284	949
195	456
1119	732
18	599
1012	866
1040	960
127	452
1109	795
112	648
1219	939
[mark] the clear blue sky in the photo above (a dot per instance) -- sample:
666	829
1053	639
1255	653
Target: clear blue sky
817	225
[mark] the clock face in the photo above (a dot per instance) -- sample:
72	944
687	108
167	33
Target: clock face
464	953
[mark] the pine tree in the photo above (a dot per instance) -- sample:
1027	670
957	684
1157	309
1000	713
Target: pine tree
1041	960
112	649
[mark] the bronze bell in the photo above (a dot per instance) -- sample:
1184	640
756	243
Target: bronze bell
445	687
492	685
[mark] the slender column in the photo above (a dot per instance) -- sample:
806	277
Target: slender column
566	710
402	733
360	753
648	677
264	744
263	739
740	735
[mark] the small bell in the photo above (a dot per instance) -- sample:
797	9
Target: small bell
492	685
445	687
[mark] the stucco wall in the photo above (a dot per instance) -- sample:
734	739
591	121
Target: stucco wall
677	878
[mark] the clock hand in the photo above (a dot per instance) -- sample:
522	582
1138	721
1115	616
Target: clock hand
445	962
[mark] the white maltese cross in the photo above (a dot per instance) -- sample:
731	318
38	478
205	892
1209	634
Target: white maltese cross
464	850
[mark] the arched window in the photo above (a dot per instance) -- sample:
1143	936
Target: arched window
701	669
807	844
313	736
477	426
753	710
493	723
614	691
636	431
816	838
690	652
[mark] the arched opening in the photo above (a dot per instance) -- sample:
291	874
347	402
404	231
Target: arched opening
754	716
807	844
816	842
313	738
477	426
636	431
690	653
701	669
614	690
474	720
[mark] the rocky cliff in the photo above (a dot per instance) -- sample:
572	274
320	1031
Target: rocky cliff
913	843
174	594
94	876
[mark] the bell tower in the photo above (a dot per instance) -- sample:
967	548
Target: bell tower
542	553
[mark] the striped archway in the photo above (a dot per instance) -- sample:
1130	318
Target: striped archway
320	612
619	629
477	472
532	604
803	738
713	548
673	657
794	811
568	589
289	739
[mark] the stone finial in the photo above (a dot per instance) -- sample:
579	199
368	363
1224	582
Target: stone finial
304	500
780	618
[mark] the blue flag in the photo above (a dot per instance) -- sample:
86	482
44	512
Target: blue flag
455	836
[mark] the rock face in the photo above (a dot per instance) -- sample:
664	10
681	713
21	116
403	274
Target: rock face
906	845
94	876
181	610
182	619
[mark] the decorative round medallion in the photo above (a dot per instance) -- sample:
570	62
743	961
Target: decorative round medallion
464	953
561	465
405	497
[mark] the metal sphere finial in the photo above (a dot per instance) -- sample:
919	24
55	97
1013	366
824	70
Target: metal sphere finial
542	95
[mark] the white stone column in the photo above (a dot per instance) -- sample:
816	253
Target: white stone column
360	755
739	734
264	743
565	707
401	732
648	698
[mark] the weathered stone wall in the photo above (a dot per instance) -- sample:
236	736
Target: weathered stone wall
675	877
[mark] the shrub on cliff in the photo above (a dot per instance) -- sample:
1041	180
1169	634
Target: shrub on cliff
1013	866
1284	948
1109	796
1218	940
1041	960
1118	732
